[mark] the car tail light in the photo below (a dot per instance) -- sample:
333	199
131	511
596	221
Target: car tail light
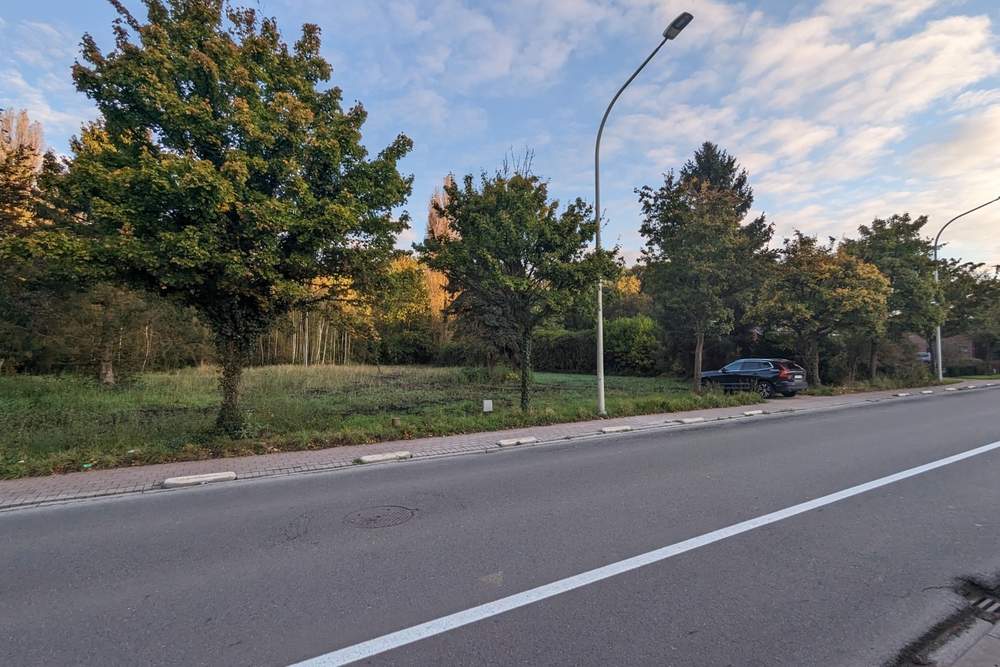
783	374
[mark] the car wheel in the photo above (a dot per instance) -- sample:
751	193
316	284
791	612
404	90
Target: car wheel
789	394
765	389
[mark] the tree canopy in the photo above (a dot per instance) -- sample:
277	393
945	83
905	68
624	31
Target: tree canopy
512	259
223	174
703	262
817	290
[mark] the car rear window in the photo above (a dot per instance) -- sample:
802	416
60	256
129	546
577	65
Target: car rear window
791	366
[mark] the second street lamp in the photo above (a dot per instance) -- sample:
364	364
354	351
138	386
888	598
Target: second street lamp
937	342
671	32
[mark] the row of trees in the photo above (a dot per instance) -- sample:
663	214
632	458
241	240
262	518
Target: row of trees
223	208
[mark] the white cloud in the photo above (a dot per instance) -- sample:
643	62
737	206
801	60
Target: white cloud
878	16
427	108
972	99
962	152
826	110
35	75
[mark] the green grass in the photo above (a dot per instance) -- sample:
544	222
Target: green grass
62	424
980	377
879	384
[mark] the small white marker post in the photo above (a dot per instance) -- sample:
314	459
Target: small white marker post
487	405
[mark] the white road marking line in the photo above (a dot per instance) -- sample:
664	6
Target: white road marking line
393	640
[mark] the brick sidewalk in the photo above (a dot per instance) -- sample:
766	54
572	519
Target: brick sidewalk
77	485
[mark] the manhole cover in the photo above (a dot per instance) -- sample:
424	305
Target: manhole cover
379	517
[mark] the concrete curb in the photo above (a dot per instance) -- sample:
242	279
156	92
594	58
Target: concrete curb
616	429
753	413
512	442
388	456
197	480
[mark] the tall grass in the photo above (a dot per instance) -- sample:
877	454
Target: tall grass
62	424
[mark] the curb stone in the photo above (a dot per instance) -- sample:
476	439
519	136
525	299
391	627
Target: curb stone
197	480
388	456
511	442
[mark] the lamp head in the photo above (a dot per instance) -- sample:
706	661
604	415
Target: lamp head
677	25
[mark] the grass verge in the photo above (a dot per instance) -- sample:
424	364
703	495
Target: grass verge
63	424
879	384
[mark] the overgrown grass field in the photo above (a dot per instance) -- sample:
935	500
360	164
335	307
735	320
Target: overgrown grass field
62	424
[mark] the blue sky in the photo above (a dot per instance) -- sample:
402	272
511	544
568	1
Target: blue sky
842	110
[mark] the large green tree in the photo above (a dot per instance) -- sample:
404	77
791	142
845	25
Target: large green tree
513	260
704	262
816	291
896	246
971	295
225	174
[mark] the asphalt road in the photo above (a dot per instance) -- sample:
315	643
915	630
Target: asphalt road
273	571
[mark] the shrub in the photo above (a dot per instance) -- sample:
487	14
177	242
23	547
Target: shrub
559	350
632	346
961	367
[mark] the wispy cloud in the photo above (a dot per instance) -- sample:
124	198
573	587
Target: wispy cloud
34	75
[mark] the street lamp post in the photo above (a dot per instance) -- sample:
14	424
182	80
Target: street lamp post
937	343
671	32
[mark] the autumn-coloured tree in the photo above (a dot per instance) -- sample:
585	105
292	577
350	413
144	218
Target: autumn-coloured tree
439	227
224	174
817	290
21	156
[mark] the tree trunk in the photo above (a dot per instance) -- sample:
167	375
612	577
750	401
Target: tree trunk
232	357
525	370
814	363
873	361
699	351
305	338
106	368
148	335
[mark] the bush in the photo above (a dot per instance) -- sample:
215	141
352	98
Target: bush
561	351
407	346
632	346
961	367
